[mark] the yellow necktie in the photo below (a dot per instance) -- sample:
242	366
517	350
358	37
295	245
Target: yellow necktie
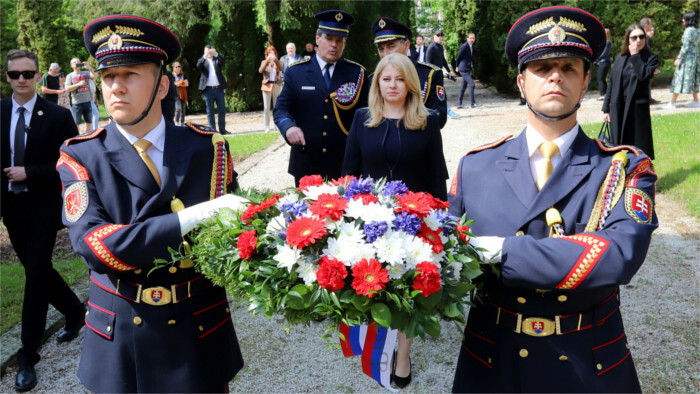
548	149
141	147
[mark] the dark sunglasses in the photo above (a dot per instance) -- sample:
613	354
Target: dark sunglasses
28	74
439	35
635	38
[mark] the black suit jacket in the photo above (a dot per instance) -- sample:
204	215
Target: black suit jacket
415	55
49	126
436	55
203	66
464	58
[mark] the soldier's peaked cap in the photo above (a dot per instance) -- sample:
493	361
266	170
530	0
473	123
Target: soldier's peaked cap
127	40
555	32
387	29
335	22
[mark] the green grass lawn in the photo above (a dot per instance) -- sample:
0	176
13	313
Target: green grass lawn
244	145
677	162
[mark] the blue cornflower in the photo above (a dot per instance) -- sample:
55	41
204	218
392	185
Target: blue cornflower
374	230
407	222
293	210
359	186
395	188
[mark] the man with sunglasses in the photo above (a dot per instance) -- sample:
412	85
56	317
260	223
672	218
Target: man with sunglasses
32	130
78	84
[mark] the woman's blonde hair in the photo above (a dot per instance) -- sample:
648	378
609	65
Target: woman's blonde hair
415	115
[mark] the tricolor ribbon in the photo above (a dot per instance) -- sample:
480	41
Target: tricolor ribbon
375	344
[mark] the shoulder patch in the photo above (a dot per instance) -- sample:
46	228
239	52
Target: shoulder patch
440	92
355	63
75	201
200	129
617	148
85	137
431	65
489	146
645	167
79	172
639	205
302	61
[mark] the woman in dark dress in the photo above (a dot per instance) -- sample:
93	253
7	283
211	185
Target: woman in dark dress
398	138
627	100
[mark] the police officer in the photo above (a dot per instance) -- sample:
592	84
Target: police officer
569	220
319	99
125	189
391	36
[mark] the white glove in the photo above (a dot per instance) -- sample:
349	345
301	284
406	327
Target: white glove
493	246
192	216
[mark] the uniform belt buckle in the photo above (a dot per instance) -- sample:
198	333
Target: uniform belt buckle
539	327
156	296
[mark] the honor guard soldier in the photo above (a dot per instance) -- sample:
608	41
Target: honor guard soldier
568	220
133	190
391	36
319	99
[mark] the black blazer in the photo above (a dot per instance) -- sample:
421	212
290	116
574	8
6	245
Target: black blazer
421	164
415	55
49	126
203	66
436	55
464	58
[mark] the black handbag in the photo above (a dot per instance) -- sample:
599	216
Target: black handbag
604	134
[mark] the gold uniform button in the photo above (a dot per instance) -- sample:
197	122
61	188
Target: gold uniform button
171	322
109	328
325	116
627	345
489	360
138	321
522	300
523	353
201	328
563	358
87	313
325	134
324	150
172	270
138	271
562	298
326	100
519	233
228	310
599	366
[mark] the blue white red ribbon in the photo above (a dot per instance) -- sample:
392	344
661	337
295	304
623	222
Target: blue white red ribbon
375	344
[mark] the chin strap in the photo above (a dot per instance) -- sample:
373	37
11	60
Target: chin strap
150	103
550	118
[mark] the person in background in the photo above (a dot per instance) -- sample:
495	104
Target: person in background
686	78
95	106
290	58
50	86
465	63
271	70
436	53
80	95
64	96
309	50
626	104
212	83
181	103
397	138
550	320
649	29
604	63
418	51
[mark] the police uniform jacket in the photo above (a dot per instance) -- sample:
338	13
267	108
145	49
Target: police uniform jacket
571	280
120	221
421	162
324	115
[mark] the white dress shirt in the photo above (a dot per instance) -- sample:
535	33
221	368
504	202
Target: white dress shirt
157	139
534	140
212	80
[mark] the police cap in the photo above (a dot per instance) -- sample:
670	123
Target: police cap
387	29
128	40
335	22
555	32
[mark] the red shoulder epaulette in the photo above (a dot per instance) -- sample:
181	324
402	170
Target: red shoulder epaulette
616	148
201	129
85	136
490	145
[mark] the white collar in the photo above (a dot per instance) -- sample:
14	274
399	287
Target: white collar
156	136
535	139
28	106
323	64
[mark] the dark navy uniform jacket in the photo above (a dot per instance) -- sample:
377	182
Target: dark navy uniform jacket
572	280
119	221
324	115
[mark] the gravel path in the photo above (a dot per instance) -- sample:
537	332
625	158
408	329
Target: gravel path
660	304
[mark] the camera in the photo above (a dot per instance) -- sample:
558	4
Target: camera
80	65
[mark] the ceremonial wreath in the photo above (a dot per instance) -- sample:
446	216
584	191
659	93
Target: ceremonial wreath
352	250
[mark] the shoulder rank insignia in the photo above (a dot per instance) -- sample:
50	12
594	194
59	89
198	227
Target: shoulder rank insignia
85	136
355	63
440	92
75	201
79	172
302	61
434	67
616	148
639	205
200	129
489	146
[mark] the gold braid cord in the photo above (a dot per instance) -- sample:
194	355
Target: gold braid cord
219	167
596	213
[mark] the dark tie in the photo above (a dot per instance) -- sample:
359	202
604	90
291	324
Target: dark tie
18	187
327	75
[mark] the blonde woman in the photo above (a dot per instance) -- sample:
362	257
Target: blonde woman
398	138
271	69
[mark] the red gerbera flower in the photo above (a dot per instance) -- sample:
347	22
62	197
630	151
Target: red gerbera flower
246	244
304	231
369	277
331	274
329	205
343	180
416	203
271	201
428	279
366	198
431	237
310	180
438	203
463	230
250	212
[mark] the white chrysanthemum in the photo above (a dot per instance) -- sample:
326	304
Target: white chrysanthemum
363	251
390	247
287	199
313	192
341	249
307	272
437	258
287	256
396	271
417	251
432	220
370	212
276	225
351	231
